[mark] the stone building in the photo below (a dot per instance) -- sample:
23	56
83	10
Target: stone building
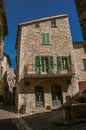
3	32
3	25
81	10
10	88
6	63
8	80
46	73
80	61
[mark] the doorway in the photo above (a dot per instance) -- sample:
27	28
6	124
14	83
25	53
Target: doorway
56	95
39	96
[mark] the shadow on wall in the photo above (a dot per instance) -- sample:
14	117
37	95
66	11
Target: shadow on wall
8	96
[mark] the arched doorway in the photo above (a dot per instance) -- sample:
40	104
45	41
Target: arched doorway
56	95
39	96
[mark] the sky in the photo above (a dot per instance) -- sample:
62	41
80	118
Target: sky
18	11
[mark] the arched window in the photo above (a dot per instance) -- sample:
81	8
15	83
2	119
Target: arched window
39	96
56	95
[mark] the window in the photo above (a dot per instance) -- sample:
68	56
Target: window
64	62
37	25
82	87
45	38
84	62
27	83
53	23
44	64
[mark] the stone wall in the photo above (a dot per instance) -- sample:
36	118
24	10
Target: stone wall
31	42
79	55
27	93
29	45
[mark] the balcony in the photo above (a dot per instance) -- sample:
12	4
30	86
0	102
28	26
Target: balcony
31	71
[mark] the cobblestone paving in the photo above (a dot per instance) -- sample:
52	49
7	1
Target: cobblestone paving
47	121
5	120
11	121
6	124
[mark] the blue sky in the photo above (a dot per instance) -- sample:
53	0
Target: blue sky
18	11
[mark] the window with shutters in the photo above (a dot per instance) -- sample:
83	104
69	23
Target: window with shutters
45	38
44	64
64	62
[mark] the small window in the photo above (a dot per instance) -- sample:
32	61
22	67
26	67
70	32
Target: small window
53	23
82	87
84	62
37	25
27	83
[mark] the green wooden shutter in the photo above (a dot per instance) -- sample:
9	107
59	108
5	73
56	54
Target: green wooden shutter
51	65
37	64
47	38
70	60
43	38
59	63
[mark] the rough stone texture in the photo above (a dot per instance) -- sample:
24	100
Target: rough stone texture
29	45
81	10
9	79
79	55
5	65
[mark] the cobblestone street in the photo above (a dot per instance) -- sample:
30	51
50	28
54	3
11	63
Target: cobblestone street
41	121
48	121
6	120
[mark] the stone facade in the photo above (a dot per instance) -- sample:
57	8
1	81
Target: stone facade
81	10
3	29
5	64
8	80
39	89
10	87
80	59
